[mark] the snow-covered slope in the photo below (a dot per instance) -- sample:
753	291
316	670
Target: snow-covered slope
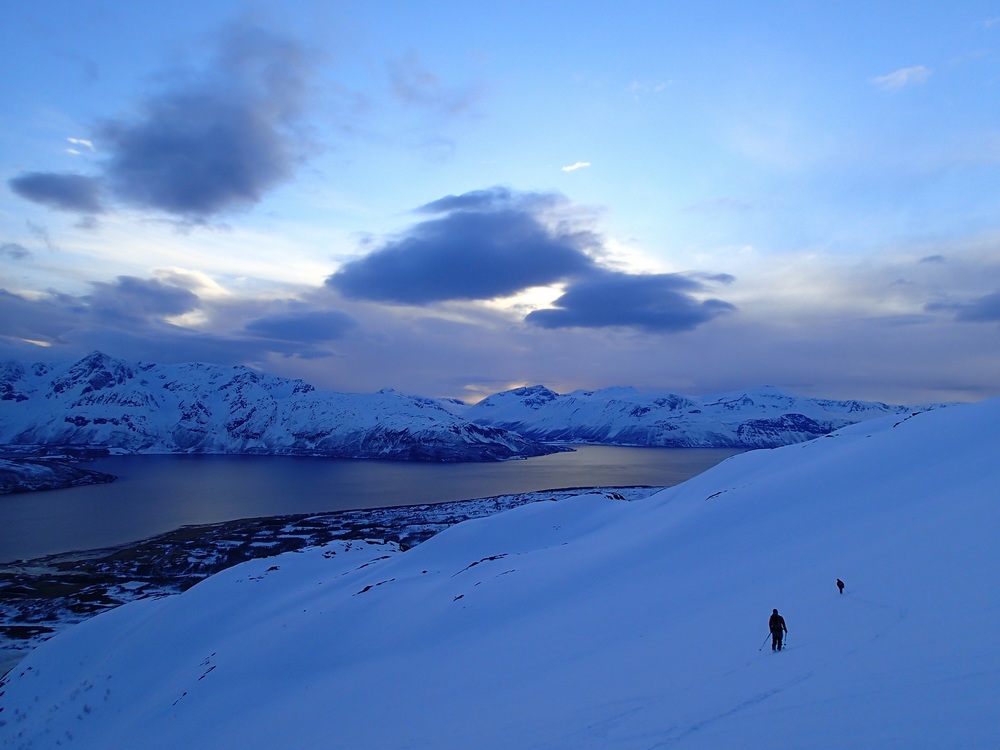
759	418
588	623
200	408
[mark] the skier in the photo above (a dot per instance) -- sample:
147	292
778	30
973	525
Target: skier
777	627
840	585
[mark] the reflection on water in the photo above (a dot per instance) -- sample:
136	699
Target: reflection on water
155	494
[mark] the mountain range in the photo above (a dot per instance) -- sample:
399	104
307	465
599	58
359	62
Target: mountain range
104	402
759	418
125	407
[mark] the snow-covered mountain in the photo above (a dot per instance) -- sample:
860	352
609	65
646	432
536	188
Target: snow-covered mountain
587	622
104	402
760	418
101	401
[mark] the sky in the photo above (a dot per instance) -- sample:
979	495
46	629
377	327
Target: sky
453	198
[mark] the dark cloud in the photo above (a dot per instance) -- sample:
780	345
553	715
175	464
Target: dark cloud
66	192
129	297
933	259
983	310
14	251
306	326
210	143
662	303
220	142
485	244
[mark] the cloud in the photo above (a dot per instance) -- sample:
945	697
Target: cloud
66	192
129	297
645	88
484	245
307	326
576	166
129	317
79	142
662	303
901	78
209	143
220	142
983	310
14	250
415	85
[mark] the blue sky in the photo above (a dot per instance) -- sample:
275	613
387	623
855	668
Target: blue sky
451	199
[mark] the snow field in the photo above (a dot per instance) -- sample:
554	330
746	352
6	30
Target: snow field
588	623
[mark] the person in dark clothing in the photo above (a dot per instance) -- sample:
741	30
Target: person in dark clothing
777	627
840	585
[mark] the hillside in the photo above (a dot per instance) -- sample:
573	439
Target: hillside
28	475
758	418
587	623
127	407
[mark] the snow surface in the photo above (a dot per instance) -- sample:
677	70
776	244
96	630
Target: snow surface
587	623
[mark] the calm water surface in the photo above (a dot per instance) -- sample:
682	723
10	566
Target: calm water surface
155	494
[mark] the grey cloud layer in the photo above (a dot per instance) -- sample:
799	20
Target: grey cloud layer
211	144
128	314
132	298
303	325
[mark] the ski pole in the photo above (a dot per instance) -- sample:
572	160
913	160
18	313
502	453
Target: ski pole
765	641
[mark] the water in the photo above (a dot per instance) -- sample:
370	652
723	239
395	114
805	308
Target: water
155	494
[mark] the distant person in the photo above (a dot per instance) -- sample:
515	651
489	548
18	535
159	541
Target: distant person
777	627
840	585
